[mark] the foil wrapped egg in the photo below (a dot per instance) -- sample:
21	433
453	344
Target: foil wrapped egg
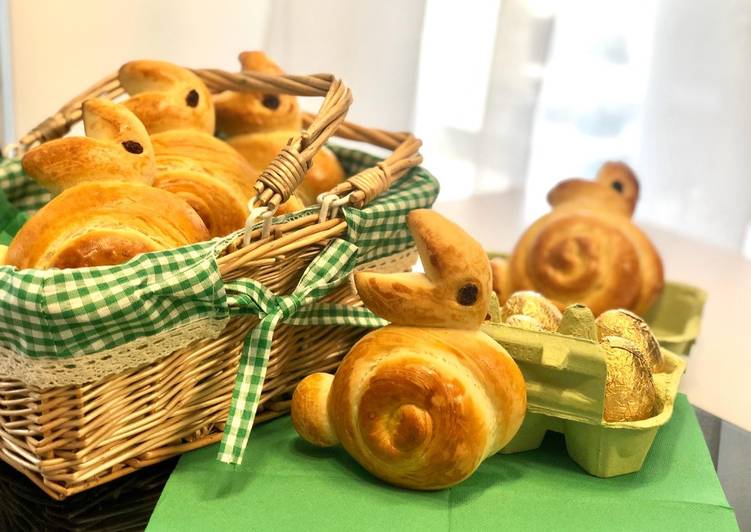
629	389
520	321
533	305
626	324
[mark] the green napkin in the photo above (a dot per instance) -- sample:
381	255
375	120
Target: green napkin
287	484
11	220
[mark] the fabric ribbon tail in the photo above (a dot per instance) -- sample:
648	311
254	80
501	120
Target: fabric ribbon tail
247	391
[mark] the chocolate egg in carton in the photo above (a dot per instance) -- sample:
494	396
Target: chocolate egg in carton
605	384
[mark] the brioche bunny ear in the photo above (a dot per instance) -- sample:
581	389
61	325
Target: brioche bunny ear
165	96
453	292
257	61
116	148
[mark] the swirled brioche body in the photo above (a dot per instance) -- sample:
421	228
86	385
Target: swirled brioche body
207	173
589	256
417	407
104	223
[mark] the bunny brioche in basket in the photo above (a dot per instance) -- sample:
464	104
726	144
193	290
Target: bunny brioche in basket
587	249
107	211
259	125
422	402
177	110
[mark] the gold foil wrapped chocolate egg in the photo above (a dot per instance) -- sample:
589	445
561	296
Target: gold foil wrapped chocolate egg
520	321
628	325
629	390
535	306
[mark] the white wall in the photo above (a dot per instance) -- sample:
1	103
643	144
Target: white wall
59	48
372	45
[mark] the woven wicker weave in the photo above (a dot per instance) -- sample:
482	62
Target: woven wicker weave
70	439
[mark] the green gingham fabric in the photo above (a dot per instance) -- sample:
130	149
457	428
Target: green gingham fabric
23	193
65	313
326	272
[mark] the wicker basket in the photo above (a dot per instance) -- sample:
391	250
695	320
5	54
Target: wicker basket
68	439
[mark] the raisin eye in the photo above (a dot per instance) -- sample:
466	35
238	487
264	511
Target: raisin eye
192	98
271	101
132	146
617	185
468	294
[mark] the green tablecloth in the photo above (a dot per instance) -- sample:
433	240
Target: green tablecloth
287	484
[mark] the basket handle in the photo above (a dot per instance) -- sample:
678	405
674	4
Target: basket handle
371	182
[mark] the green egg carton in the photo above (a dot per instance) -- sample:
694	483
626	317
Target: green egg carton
674	318
565	378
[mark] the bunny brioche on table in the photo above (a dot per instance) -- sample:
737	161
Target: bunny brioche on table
259	125
107	211
587	249
420	406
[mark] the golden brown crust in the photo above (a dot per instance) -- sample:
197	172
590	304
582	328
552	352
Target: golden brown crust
293	204
104	223
421	408
309	410
580	255
116	148
252	112
207	173
453	292
165	96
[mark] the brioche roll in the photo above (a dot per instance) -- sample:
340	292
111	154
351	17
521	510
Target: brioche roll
587	250
104	223
418	408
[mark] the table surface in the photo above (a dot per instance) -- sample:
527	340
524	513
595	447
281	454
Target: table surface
716	380
287	484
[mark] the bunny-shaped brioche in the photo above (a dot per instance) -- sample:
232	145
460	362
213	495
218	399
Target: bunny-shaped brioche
116	147
167	97
107	212
259	125
420	407
176	108
587	249
454	290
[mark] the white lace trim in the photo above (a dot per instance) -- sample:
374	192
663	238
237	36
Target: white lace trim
46	373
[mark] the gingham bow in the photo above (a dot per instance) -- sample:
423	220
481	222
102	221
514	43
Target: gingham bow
246	296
